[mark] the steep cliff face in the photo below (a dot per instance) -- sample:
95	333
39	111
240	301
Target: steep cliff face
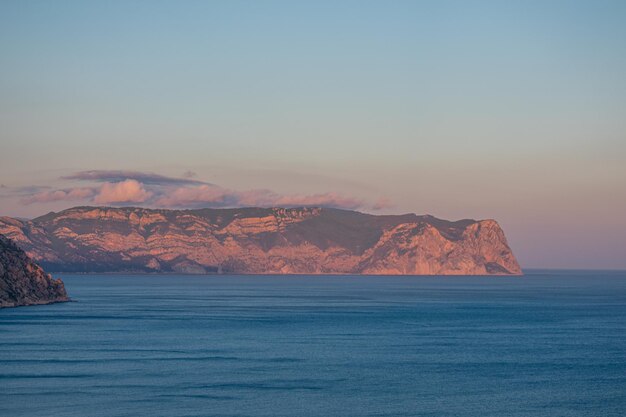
257	240
22	282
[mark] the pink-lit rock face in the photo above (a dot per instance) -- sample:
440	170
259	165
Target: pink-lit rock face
261	241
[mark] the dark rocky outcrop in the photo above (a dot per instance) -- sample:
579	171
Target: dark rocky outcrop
261	241
23	282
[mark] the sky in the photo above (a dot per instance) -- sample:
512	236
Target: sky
512	110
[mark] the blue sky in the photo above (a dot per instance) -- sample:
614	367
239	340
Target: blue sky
482	109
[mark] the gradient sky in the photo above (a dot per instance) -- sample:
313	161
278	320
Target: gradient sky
461	109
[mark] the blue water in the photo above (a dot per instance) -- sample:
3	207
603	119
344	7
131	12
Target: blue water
547	344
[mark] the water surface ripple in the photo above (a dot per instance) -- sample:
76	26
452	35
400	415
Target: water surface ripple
552	343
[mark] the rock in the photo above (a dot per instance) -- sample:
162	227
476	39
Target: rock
261	241
23	282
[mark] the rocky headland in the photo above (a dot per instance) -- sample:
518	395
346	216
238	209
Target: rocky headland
261	241
23	282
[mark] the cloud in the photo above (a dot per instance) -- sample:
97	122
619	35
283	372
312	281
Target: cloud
69	194
153	190
195	196
382	203
128	191
321	200
121	175
25	190
211	195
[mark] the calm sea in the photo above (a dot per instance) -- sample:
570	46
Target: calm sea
552	343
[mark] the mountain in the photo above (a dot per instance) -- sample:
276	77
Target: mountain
261	241
22	282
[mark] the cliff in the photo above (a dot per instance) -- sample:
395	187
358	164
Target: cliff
22	282
258	240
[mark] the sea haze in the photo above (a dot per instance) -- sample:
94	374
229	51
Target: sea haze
551	343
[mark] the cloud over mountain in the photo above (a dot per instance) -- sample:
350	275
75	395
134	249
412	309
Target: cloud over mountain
127	191
68	194
121	187
122	175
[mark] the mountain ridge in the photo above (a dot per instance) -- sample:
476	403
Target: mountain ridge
261	240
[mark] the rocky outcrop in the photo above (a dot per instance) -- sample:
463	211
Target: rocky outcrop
261	241
22	282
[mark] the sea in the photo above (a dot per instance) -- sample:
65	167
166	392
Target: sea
550	343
